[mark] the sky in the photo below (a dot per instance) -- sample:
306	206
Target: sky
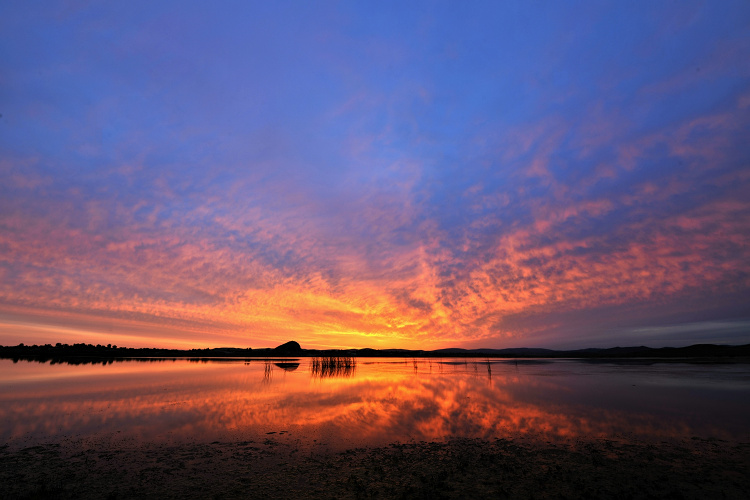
375	174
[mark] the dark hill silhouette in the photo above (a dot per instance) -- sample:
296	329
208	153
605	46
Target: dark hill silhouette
290	348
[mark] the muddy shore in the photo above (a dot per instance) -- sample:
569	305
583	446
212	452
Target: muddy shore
460	468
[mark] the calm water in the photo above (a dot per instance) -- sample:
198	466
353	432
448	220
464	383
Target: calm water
378	402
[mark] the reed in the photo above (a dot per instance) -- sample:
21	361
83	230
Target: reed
333	366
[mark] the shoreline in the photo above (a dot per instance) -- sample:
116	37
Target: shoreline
457	468
65	353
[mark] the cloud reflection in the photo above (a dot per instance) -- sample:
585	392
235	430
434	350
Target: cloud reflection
384	402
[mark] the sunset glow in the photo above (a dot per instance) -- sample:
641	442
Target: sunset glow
368	175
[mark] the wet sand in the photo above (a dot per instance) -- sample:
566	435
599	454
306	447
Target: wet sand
460	468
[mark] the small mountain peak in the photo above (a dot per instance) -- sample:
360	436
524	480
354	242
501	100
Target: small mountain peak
290	347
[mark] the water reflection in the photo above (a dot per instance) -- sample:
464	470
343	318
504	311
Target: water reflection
380	402
98	360
287	367
267	372
67	360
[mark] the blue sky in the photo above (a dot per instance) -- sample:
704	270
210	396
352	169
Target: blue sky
557	174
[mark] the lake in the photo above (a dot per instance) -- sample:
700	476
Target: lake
374	402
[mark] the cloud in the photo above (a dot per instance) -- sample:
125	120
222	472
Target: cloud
347	187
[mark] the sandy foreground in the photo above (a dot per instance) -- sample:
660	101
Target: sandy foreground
460	468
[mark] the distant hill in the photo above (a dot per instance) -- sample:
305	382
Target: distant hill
293	349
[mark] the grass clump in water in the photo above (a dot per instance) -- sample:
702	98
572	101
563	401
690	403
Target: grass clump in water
333	366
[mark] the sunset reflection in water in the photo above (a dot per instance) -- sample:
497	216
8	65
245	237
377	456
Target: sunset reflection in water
373	402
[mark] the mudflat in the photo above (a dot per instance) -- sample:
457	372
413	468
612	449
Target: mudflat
458	468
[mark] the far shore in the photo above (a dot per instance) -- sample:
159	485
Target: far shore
62	352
